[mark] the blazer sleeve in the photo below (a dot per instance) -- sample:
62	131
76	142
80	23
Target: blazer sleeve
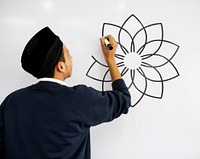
95	107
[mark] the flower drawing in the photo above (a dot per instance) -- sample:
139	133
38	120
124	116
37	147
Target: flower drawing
143	56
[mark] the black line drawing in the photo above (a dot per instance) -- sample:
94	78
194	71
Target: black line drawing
144	59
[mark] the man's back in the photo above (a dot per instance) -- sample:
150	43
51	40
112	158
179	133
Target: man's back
49	120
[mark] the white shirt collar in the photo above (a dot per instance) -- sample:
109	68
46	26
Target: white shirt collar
52	80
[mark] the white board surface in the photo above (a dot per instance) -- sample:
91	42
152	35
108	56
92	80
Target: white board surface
165	122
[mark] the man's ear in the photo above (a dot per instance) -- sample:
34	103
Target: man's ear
60	67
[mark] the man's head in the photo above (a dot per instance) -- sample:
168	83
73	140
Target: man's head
43	53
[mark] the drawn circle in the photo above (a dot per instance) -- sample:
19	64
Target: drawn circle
132	60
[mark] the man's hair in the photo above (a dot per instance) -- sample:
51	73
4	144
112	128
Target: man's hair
50	74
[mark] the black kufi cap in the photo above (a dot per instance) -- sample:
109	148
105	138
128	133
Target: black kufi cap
41	53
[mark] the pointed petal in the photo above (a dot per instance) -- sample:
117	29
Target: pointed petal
131	26
168	50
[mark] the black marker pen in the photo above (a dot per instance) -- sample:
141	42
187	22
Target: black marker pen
108	44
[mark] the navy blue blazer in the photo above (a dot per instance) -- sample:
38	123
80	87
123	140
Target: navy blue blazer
51	121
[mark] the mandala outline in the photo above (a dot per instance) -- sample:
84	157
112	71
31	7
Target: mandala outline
144	56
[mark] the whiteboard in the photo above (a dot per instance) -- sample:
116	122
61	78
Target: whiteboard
165	120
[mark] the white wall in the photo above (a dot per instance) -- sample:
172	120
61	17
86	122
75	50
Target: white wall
166	128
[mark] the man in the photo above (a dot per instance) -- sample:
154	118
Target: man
50	120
